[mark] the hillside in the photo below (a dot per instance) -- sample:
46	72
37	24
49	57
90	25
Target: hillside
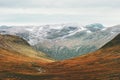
16	55
11	62
20	46
103	64
114	42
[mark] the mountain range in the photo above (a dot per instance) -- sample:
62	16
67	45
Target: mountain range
64	41
19	61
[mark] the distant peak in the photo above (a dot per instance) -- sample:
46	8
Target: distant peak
95	25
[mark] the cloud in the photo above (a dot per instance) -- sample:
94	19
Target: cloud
108	16
60	11
59	3
68	11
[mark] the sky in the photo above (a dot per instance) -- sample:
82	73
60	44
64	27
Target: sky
36	12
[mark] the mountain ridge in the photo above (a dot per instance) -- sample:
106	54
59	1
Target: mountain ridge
60	41
20	46
91	66
115	41
102	64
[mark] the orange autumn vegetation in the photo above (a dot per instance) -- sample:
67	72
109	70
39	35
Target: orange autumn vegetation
103	64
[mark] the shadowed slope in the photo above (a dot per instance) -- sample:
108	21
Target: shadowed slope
114	42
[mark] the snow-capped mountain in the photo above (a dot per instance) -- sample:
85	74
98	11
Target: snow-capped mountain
62	41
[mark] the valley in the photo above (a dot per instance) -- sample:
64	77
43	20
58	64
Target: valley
64	41
21	61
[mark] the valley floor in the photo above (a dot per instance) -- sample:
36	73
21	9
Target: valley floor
93	66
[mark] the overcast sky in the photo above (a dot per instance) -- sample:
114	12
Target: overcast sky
16	12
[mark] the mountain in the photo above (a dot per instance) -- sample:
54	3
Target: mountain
103	64
18	57
21	47
64	41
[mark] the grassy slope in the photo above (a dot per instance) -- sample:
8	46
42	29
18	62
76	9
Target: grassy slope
20	46
11	64
17	57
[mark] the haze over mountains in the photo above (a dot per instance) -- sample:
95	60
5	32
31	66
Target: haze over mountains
64	41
